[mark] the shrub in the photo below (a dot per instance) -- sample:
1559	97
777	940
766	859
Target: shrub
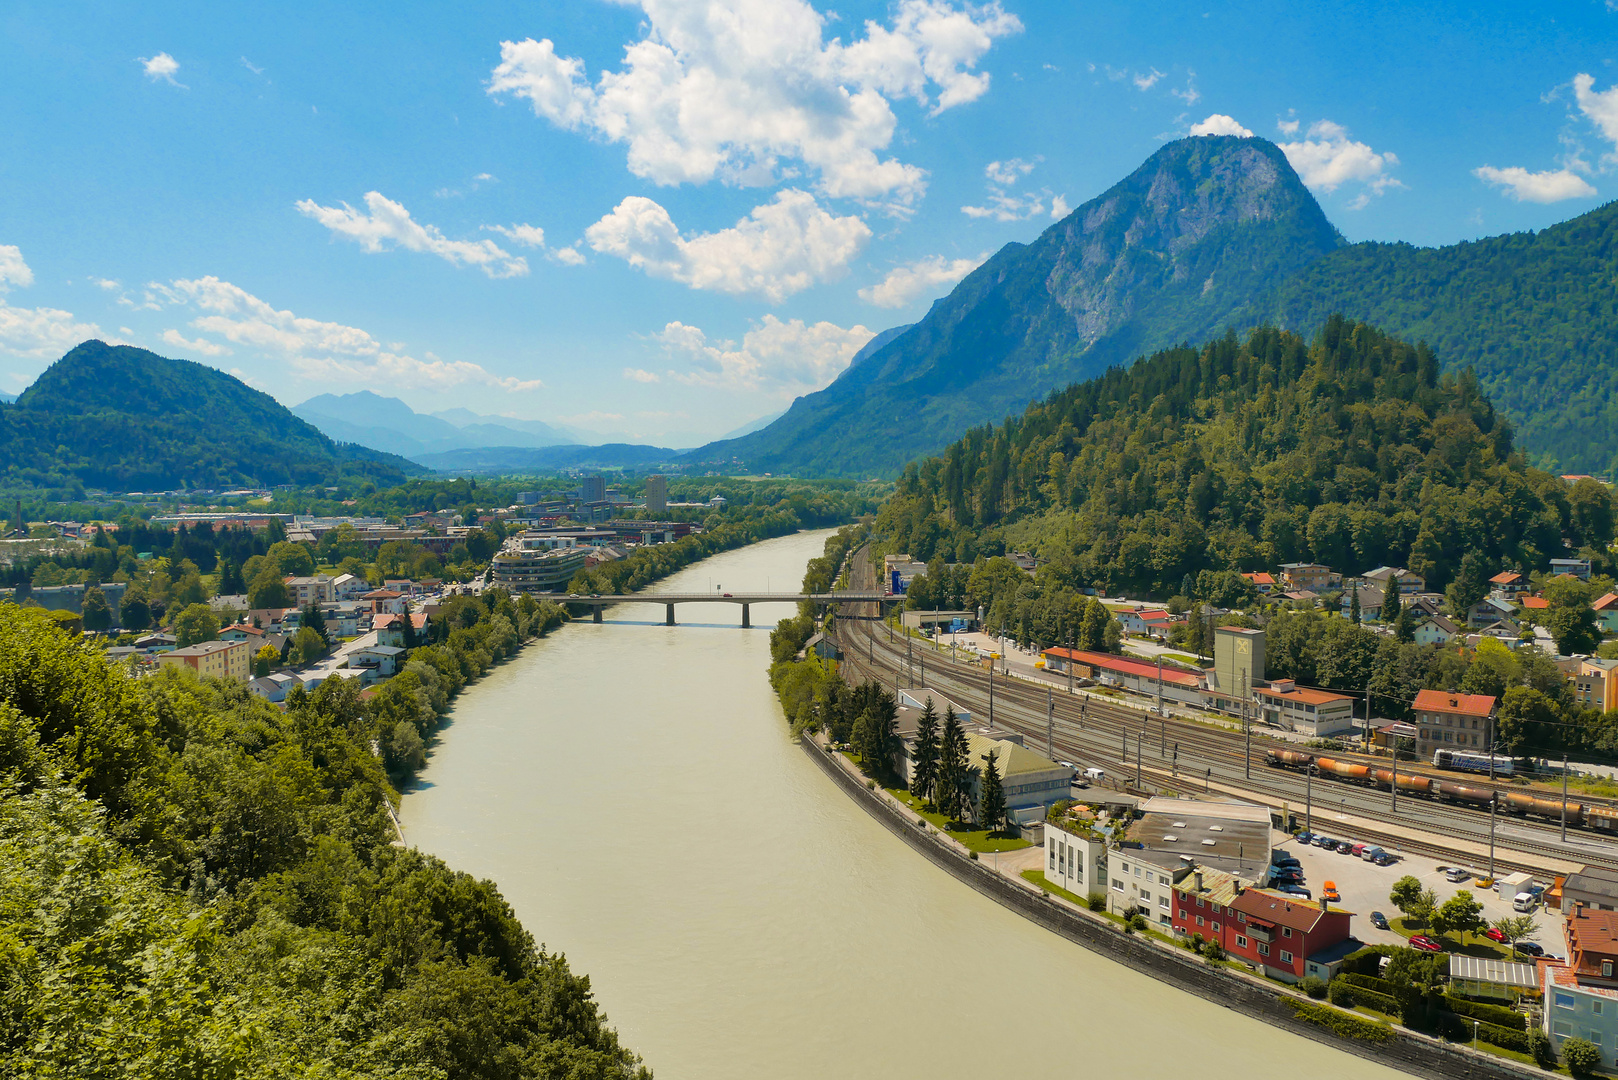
1368	961
1213	951
1581	1057
1540	1049
1369	982
1340	993
1498	1015
1313	985
1505	1037
1339	1022
1096	901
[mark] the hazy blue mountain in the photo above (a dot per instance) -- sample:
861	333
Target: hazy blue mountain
1174	252
756	425
389	424
5	397
127	419
501	460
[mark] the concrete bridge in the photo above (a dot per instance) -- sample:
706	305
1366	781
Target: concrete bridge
746	600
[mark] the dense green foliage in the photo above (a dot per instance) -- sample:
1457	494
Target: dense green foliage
1338	1022
1534	314
1173	252
194	883
123	418
1353	452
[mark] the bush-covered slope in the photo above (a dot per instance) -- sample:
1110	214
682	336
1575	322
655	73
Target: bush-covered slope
1353	451
1535	314
196	884
125	418
1172	253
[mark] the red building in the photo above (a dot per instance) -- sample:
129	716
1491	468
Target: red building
1270	931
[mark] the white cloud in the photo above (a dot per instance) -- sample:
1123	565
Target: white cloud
1288	126
783	358
641	375
1059	207
781	248
1007	173
250	66
1601	109
568	256
1220	124
38	333
1003	207
1189	95
162	66
201	346
388	224
105	283
13	270
527	235
324	351
1327	158
1537	187
741	89
1147	80
929	276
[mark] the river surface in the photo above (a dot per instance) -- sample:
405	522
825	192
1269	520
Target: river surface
632	790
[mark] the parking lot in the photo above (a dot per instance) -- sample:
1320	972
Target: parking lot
1364	888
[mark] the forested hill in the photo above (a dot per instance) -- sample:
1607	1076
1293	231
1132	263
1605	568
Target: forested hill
1354	451
123	418
1172	253
1535	314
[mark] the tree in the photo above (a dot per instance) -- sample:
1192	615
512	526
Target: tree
1471	584
1515	928
308	646
97	612
1392	602
196	623
1405	894
133	612
992	800
1112	634
1354	605
1093	630
1581	1056
230	579
269	589
1527	719
874	738
950	786
1575	629
1462	912
265	660
291	558
924	754
314	620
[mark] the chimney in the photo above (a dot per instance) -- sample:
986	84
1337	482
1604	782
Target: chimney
1197	880
1325	905
1578	909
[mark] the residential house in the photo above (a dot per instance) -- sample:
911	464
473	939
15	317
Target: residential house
1277	934
243	632
273	688
1202	903
1143	880
1594	887
1452	720
1409	583
349	586
1262	582
1319	714
1606	610
1308	577
390	628
310	590
1145	621
1596	684
1508	585
1371	601
385	660
212	659
387	601
1579	568
1489	611
1533	605
155	643
823	647
1435	630
1581	995
1075	857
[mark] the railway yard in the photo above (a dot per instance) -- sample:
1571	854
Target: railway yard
1448	816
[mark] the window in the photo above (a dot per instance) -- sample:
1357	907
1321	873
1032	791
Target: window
1263	949
1162	901
1564	1001
1286	931
1241	942
1117	885
1216	928
1561	1028
1199	901
1053	858
1595	1007
1606	969
1286	957
1183	914
1199	920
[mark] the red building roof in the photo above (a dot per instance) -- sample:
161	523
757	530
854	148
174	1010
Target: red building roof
1269	907
1606	603
1535	603
1137	668
1440	701
382	622
1505	577
1260	578
1308	697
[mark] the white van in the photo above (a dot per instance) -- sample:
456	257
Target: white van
1524	902
1093	774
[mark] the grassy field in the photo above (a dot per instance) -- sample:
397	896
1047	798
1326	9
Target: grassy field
979	840
1463	944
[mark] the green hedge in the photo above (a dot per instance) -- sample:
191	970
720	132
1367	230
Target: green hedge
1348	995
1498	1015
1371	982
1368	961
1339	1022
1505	1038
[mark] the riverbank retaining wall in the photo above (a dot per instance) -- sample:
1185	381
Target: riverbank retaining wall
1408	1051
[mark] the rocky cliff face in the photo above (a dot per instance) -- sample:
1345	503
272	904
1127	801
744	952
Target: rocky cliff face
1174	252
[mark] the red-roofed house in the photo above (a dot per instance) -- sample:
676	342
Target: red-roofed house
1452	720
1581	996
1263	582
1277	934
1316	713
1534	603
387	601
390	628
1508	585
1145	621
1606	610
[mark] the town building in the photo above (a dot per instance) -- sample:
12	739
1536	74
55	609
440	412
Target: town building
1143	880
1410	583
348	586
1238	661
1453	720
212	659
1579	568
273	688
528	568
657	494
1030	781
1435	630
1263	583
1276	934
1606	610
310	590
1202	903
1372	597
387	601
1317	713
1596	684
244	632
1137	676
1075	857
1490	611
390	629
593	489
1153	621
1226	835
898	571
1594	887
1581	995
1508	585
1308	577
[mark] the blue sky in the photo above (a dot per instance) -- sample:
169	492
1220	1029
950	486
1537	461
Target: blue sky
658	221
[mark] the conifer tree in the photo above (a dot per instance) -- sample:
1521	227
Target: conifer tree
1392	602
951	791
992	804
1093	631
1354	606
924	757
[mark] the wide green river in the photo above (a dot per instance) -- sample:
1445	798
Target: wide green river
631	788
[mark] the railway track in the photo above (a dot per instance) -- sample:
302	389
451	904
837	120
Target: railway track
1118	738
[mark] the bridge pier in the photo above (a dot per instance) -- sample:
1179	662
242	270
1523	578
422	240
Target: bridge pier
747	616
595	613
669	621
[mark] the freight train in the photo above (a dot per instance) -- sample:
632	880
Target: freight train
1598	816
1468	761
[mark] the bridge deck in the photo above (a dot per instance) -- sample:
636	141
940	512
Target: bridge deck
726	598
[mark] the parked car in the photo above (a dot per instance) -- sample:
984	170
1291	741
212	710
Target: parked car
1385	859
1456	874
1330	893
1325	842
1357	850
1425	944
1528	948
1379	920
1305	837
1287	879
1295	890
1286	860
1494	934
1345	847
1524	903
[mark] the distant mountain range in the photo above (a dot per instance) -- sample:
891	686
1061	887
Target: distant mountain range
1212	233
5	397
517	460
123	418
390	425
